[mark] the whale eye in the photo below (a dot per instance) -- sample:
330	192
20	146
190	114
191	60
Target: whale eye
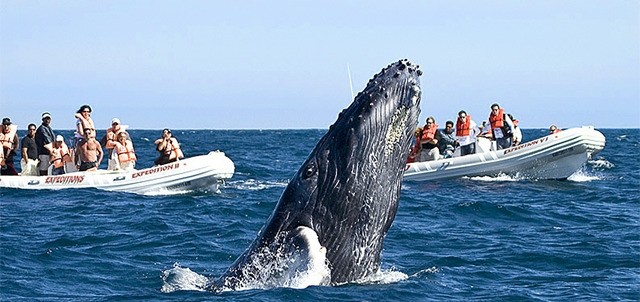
309	170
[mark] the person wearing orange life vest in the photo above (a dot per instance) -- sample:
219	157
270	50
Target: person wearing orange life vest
9	146
125	154
59	156
429	141
466	132
84	121
501	127
168	147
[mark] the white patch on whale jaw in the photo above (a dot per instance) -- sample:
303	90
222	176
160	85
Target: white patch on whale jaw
396	129
298	262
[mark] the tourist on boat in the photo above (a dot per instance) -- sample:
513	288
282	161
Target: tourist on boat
168	147
501	127
466	132
111	136
429	141
29	162
517	133
414	154
125	156
89	152
553	129
44	142
84	121
59	156
446	140
9	146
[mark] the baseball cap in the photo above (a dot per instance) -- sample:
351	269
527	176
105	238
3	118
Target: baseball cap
46	115
59	138
115	120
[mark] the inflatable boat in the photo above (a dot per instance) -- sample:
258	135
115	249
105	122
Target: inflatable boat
203	172
555	156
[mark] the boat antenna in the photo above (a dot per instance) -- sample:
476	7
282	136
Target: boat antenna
350	82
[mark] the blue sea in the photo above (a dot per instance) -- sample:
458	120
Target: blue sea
475	239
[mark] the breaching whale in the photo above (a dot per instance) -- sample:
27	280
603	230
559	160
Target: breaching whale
331	219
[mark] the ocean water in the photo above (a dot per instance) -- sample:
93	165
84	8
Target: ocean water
464	239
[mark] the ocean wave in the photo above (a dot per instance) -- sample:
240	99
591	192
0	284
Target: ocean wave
255	185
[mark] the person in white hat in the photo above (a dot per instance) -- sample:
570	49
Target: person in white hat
44	142
110	138
59	156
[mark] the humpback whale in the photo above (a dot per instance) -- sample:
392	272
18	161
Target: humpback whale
332	217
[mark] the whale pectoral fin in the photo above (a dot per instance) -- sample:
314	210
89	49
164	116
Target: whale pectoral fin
307	258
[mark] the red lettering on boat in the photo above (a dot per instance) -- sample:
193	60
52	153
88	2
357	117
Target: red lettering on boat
64	179
155	170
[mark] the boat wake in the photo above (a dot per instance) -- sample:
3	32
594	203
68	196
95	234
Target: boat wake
499	177
600	164
583	176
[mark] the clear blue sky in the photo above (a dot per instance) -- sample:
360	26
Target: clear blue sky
283	64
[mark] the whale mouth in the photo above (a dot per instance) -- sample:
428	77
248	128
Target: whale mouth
336	210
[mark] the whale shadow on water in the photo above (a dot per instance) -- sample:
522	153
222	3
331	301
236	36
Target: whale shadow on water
330	222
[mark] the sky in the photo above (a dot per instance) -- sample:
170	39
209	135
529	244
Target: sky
288	64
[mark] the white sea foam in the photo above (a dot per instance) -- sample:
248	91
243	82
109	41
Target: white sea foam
255	185
601	163
582	176
500	177
164	191
178	278
384	276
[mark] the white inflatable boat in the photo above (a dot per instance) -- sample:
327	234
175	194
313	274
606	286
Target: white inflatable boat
206	172
555	156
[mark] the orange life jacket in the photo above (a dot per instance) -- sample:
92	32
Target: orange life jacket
60	156
497	121
125	152
429	133
463	129
415	150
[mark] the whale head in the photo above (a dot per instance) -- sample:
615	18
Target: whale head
338	207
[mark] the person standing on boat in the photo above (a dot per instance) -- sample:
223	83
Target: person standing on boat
517	133
466	132
125	155
59	156
446	140
29	162
83	122
89	152
9	145
501	127
110	138
168	147
44	142
429	141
